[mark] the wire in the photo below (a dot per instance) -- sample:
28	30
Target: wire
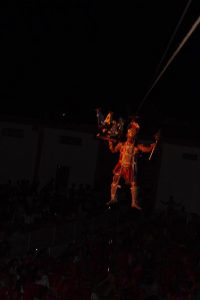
173	36
194	26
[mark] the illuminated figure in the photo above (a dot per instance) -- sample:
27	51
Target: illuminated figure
126	166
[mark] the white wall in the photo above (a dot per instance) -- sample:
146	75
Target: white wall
179	176
17	154
81	160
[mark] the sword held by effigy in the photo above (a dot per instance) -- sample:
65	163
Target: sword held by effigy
157	137
152	151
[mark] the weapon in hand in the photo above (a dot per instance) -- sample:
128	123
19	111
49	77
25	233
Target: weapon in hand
157	137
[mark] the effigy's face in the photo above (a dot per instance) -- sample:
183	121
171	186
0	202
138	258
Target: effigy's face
131	133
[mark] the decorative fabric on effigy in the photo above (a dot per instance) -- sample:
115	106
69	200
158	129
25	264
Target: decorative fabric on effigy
109	128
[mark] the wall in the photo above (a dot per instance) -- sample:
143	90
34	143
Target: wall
80	158
18	143
179	176
20	158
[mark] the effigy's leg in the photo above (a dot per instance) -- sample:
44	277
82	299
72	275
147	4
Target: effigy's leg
114	186
134	195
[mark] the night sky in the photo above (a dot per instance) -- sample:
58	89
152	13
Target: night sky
59	56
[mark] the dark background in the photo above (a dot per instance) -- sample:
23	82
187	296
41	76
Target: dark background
72	56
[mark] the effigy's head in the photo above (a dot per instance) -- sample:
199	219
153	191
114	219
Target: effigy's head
133	129
131	133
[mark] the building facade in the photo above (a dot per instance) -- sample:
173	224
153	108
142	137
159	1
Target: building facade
179	175
40	152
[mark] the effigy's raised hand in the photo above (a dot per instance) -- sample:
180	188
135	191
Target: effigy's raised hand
157	135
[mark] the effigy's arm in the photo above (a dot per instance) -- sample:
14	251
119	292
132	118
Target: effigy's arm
146	149
113	147
150	148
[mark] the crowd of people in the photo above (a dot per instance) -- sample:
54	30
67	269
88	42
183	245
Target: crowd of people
116	253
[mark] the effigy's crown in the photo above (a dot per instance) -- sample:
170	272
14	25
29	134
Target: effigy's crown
133	129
